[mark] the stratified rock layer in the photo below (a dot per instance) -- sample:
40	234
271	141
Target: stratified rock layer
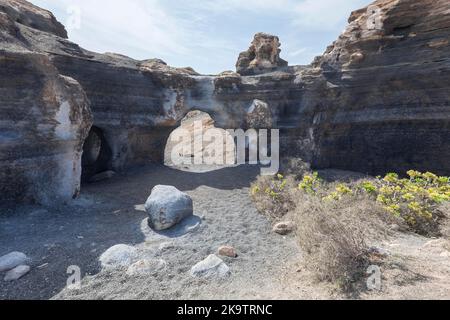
379	97
45	118
378	100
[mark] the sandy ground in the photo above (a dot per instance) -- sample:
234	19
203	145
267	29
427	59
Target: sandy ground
111	212
268	267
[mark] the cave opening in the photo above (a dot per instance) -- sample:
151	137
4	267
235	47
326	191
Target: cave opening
97	155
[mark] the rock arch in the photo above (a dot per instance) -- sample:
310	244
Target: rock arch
198	146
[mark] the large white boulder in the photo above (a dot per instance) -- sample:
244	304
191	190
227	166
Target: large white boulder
167	206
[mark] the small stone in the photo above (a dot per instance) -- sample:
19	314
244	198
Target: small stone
211	267
227	251
118	256
145	267
12	260
284	228
17	273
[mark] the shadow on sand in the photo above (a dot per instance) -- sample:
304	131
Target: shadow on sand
105	215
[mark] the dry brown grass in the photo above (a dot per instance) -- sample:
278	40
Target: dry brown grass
335	237
273	207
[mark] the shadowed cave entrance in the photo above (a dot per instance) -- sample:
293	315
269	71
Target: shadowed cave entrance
97	155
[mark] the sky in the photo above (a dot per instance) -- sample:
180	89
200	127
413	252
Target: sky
207	35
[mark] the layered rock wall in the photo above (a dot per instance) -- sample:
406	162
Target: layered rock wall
378	99
45	118
381	99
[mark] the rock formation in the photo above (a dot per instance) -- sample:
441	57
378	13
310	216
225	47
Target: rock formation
45	116
259	116
197	142
32	16
262	56
378	100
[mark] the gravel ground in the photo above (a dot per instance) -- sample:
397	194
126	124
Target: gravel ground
111	212
269	266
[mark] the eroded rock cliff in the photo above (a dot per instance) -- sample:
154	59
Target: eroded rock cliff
378	99
45	118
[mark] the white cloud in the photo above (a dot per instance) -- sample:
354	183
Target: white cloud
114	24
324	14
205	34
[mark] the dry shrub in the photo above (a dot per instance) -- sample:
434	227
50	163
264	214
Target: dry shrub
444	209
334	237
294	167
336	220
273	196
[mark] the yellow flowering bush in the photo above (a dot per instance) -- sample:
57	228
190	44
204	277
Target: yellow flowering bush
310	183
414	199
340	191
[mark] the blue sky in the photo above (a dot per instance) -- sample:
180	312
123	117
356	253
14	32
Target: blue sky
204	34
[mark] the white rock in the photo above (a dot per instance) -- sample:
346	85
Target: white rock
118	256
167	206
211	267
145	267
17	273
12	260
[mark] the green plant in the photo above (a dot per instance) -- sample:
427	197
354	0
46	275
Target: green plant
414	199
272	195
311	183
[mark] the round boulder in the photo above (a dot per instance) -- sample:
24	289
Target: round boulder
167	206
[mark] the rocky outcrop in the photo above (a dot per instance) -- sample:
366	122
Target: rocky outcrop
45	118
376	101
32	16
379	98
262	56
